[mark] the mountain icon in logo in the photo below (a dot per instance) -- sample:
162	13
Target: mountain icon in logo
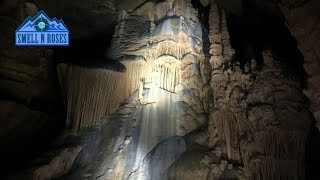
41	30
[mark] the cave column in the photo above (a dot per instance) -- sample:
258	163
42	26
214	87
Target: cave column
222	124
261	114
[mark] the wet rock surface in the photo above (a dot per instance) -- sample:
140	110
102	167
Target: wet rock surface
134	138
159	159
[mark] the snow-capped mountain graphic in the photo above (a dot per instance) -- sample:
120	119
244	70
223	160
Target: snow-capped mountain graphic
54	25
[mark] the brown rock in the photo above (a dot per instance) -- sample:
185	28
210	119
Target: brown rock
216	49
58	166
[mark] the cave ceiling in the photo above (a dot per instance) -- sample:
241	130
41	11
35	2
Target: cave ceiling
87	17
99	17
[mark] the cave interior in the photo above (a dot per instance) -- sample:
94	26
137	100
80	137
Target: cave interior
163	90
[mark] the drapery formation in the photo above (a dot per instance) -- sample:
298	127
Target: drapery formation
90	95
167	54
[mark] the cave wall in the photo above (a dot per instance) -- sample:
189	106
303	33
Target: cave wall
96	16
304	22
29	98
259	116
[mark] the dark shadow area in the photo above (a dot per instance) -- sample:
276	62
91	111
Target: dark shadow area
89	52
31	136
203	14
261	28
312	154
20	152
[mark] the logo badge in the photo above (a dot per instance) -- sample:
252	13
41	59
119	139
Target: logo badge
40	30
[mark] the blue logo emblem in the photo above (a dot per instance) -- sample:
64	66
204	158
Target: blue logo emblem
40	30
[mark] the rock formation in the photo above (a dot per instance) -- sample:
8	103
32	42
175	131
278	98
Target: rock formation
167	54
303	20
255	114
93	94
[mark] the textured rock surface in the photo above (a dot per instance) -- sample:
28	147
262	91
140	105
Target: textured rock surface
93	94
168	54
96	16
205	164
224	128
256	113
304	22
58	166
156	162
51	166
26	121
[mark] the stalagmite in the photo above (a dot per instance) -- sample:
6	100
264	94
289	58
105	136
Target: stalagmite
263	117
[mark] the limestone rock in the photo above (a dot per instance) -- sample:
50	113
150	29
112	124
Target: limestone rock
205	3
117	86
156	163
179	88
187	124
189	59
58	166
202	119
216	49
190	71
186	109
192	98
205	165
30	9
246	113
207	99
183	169
27	121
199	137
303	19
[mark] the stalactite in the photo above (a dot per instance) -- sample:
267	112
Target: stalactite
255	116
166	75
93	94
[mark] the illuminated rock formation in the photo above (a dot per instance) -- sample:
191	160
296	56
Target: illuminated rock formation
91	95
171	53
